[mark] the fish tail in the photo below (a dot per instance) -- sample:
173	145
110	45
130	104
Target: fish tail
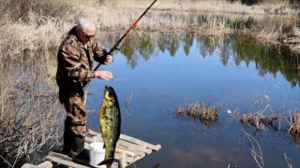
108	162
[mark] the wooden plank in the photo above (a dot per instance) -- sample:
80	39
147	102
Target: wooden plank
136	159
117	156
119	149
124	145
130	139
132	151
27	165
129	152
135	150
45	164
133	146
138	147
123	162
125	151
128	159
63	159
115	165
140	142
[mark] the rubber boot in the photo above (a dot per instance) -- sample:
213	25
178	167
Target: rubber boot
77	145
67	137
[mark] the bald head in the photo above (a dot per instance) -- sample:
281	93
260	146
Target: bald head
86	25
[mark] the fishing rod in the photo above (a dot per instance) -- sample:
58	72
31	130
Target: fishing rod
126	33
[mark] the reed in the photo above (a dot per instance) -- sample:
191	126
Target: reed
216	27
30	118
276	122
208	116
294	124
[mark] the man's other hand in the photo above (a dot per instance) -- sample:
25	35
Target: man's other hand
102	74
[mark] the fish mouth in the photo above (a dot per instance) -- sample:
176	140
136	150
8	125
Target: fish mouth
110	90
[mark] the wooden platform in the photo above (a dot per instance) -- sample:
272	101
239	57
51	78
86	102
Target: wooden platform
129	150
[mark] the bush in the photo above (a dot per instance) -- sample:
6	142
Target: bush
247	2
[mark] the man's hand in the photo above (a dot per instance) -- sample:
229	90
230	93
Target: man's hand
109	59
102	74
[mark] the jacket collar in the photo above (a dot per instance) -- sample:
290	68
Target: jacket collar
74	34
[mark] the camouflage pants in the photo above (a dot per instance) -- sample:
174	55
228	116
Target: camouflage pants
74	101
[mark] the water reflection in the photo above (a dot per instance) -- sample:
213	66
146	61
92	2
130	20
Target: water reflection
267	58
164	70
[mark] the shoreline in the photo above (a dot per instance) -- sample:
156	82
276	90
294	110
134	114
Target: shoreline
35	29
213	6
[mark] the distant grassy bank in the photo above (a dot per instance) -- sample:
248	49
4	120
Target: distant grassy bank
34	24
259	7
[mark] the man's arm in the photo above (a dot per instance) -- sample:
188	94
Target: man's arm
72	64
100	55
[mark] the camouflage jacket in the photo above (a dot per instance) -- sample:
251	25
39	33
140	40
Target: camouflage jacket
75	61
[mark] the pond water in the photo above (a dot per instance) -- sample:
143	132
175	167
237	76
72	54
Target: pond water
160	71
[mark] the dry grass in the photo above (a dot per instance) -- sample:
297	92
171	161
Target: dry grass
41	24
288	160
259	121
256	150
257	153
294	124
212	6
207	115
216	27
289	125
253	119
30	122
29	110
272	121
127	104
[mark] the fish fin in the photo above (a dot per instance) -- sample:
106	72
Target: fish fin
108	162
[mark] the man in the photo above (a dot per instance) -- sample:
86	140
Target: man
74	73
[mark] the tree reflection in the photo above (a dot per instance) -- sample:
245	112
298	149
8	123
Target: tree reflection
187	40
241	49
128	49
172	43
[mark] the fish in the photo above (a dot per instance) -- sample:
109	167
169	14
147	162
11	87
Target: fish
110	124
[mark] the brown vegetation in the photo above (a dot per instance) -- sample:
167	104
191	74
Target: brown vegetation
253	119
273	121
294	124
34	24
29	110
207	115
212	6
30	121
